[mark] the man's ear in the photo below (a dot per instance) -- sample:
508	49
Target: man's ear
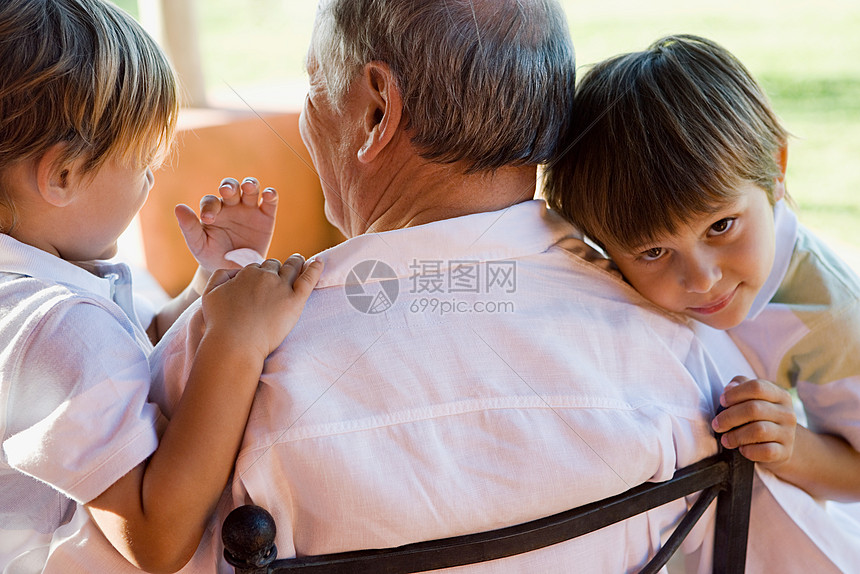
55	177
782	162
383	109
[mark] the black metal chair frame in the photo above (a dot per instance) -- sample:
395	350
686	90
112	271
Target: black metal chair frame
249	531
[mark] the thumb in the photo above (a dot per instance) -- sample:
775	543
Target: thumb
308	278
190	226
219	277
738	380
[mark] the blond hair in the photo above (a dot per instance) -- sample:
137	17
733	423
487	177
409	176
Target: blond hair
660	137
82	73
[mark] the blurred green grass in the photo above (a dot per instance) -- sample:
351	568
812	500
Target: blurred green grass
806	55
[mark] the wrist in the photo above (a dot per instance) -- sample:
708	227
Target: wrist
795	466
233	347
198	282
784	469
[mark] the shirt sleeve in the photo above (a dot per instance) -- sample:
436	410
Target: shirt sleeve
825	367
79	418
172	358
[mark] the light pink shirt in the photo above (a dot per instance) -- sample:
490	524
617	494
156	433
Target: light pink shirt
500	378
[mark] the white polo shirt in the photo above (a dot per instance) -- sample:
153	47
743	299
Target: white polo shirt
465	375
74	415
803	331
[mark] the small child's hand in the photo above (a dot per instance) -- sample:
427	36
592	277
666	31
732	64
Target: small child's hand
758	419
257	306
243	217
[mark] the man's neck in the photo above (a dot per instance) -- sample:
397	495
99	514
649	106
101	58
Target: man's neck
443	192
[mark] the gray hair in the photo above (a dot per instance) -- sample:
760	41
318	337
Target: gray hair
486	82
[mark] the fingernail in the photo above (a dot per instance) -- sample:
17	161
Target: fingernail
250	180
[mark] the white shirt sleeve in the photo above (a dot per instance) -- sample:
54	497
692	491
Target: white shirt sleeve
78	415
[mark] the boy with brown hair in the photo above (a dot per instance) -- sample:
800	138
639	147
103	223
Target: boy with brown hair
88	106
676	167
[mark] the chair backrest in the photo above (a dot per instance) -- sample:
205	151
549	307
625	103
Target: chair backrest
249	531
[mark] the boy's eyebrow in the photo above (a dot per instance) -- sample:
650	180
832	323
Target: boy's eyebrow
636	249
716	212
626	247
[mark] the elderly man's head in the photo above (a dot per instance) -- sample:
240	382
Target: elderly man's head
470	87
485	82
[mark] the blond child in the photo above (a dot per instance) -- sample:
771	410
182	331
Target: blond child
676	167
88	105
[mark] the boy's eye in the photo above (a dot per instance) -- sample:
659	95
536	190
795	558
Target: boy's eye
652	254
722	226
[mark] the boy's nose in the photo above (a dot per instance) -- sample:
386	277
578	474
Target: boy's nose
701	275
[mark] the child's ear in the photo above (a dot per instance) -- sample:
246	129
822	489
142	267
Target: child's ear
782	162
54	176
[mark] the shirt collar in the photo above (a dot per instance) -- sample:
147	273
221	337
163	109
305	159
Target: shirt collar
522	229
785	227
96	277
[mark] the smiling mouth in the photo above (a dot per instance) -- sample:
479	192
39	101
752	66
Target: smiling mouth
716	306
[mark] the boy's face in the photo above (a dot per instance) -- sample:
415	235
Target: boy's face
107	201
711	269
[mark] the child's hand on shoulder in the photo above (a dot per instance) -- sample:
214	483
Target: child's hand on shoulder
257	306
758	419
243	217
